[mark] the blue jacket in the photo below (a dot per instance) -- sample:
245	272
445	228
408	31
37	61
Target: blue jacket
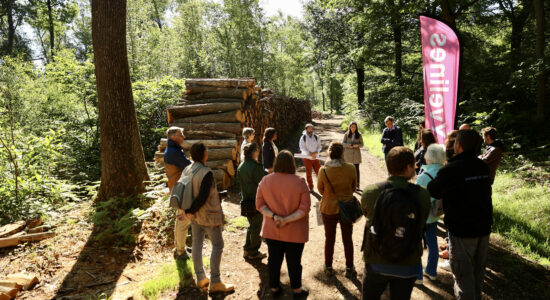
423	179
391	138
174	155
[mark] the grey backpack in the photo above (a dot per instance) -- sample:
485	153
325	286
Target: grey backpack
182	193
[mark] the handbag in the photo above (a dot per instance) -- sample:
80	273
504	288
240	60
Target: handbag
350	211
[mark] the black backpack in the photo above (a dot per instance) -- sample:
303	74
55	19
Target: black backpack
395	227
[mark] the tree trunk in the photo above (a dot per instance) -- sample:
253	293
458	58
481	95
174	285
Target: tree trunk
398	53
51	28
157	13
541	78
123	169
11	26
447	13
360	70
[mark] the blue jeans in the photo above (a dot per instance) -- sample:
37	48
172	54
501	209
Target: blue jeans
433	252
216	239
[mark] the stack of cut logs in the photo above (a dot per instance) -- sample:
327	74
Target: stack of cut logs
214	111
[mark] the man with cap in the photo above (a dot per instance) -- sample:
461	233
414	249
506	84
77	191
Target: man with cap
310	145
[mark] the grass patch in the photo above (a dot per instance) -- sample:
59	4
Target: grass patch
170	277
237	223
522	216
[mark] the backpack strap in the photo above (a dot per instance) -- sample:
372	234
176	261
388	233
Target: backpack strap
328	180
431	177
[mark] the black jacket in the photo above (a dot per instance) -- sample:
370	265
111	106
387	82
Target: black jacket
268	155
465	188
391	138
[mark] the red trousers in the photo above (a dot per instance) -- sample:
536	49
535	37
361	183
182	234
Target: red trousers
330	222
316	165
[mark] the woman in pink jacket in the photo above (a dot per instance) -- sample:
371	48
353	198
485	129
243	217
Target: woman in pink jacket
283	199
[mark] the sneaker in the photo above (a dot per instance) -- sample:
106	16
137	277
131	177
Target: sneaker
445	265
419	282
203	284
221	287
301	295
259	255
431	277
329	271
351	273
444	254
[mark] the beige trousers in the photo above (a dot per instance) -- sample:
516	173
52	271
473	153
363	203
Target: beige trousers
180	233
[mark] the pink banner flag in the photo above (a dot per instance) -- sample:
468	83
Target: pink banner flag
440	60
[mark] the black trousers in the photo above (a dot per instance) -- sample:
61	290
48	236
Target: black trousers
358	177
374	285
277	251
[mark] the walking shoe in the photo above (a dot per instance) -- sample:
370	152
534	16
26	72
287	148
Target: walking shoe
329	271
445	265
351	273
432	278
444	254
300	295
259	255
221	287
203	284
419	282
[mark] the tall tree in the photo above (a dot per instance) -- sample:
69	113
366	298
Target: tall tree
123	169
517	13
541	77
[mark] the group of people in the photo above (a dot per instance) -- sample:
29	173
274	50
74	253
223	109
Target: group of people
454	180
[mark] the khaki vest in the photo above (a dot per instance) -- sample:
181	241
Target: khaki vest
210	214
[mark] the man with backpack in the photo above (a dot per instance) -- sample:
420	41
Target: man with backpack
310	145
464	184
396	213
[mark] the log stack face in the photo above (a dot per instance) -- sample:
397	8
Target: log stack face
214	111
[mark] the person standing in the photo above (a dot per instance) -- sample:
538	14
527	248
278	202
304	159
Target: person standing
493	150
310	144
435	158
391	136
337	182
418	143
353	142
464	186
269	149
206	216
175	162
249	175
426	138
284	200
396	213
450	144
248	137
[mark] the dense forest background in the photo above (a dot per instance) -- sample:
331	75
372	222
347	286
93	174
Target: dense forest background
357	57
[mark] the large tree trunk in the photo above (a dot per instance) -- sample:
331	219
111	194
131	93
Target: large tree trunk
11	26
447	13
398	53
541	79
51	28
123	169
360	70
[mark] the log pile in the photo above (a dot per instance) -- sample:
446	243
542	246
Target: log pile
12	284
214	111
23	231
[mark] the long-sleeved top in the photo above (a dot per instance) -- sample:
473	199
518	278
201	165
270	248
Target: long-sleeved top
368	201
249	175
269	152
465	188
206	207
423	179
284	194
310	144
391	138
492	157
352	155
174	155
343	178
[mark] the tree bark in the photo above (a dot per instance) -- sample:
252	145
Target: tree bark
541	78
398	53
123	169
11	26
51	28
447	13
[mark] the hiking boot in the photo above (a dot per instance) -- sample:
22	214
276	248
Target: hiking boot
444	254
351	273
432	278
203	284
221	287
300	295
329	271
258	255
